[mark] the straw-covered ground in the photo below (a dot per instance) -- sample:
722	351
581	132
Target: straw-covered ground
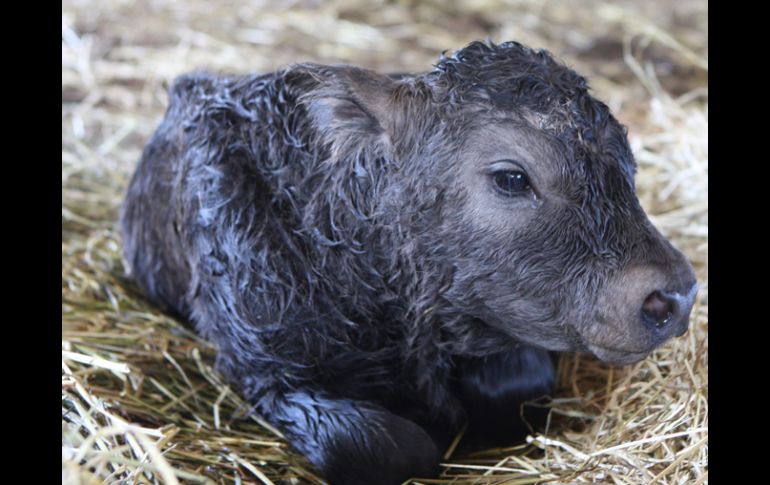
140	401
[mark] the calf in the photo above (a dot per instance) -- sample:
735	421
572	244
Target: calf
382	259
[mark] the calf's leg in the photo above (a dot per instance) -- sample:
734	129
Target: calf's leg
493	389
351	442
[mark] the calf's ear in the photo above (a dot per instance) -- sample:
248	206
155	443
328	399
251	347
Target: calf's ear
353	108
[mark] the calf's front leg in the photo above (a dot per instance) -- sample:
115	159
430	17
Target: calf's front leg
351	442
494	388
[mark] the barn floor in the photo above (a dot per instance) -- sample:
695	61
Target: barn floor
140	401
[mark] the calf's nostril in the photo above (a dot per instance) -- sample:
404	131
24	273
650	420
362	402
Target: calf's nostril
658	309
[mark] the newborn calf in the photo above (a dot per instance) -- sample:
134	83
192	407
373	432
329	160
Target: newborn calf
382	259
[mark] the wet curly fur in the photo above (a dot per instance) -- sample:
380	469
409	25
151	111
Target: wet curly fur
309	223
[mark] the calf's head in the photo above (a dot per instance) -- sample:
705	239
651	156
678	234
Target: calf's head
502	166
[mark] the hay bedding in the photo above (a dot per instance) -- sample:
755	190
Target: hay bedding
140	401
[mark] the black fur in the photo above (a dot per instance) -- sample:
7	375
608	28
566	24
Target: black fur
495	391
330	230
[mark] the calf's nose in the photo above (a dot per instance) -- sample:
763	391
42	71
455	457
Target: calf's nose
669	311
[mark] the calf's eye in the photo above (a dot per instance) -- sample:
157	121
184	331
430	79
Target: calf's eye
511	182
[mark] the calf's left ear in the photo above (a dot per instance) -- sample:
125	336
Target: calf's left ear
352	107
